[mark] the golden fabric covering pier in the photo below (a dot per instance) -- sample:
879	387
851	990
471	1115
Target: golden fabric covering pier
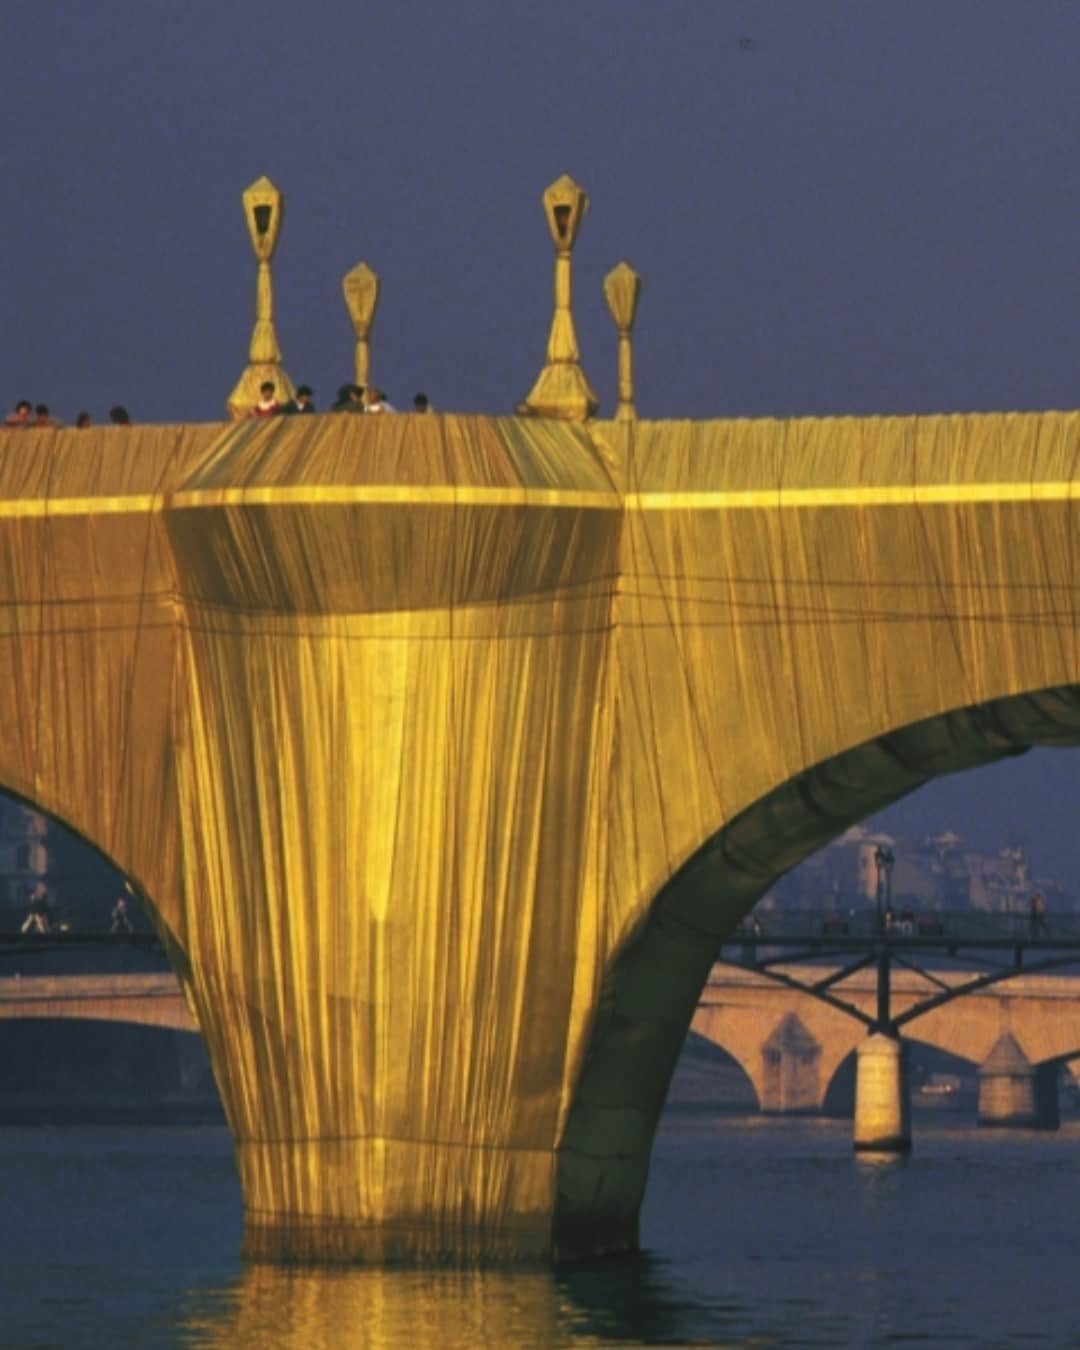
445	748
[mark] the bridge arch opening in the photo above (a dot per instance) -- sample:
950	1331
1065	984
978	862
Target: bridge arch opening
939	1080
93	1026
711	1077
652	988
86	1070
41	851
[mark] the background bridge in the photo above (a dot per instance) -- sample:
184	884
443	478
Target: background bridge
863	986
791	1045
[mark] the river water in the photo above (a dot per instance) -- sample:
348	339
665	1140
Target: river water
756	1232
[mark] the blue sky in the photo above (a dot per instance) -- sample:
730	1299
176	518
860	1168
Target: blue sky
838	206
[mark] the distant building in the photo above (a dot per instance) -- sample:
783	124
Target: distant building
936	873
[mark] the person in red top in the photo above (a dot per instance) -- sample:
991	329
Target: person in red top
267	406
21	416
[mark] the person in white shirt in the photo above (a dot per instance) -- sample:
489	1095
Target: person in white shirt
267	406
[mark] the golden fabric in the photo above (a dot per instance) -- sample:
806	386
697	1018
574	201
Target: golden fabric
264	208
562	388
444	747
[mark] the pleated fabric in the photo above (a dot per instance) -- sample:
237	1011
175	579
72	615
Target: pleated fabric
404	726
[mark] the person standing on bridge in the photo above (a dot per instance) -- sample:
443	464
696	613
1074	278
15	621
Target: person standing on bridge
21	416
350	399
37	916
1038	915
121	920
268	405
302	403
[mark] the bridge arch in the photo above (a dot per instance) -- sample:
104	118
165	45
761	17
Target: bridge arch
842	1082
131	881
652	988
701	1047
99	1068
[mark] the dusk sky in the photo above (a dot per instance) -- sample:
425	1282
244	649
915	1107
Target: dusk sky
837	206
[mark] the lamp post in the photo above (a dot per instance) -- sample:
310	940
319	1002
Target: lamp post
884	861
264	207
622	288
561	389
361	290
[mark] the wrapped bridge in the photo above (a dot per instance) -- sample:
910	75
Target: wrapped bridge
444	750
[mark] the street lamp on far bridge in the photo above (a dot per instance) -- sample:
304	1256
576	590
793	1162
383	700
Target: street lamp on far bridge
884	861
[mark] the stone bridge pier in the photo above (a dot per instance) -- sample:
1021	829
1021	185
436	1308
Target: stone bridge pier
1016	1094
1013	1092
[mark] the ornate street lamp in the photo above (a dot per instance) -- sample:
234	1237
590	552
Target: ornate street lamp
622	288
361	290
264	207
561	389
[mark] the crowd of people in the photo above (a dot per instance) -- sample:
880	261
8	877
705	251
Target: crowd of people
351	398
27	414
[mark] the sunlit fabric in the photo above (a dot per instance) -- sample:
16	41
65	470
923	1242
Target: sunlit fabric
443	749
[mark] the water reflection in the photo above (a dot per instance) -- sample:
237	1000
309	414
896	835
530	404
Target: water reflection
641	1298
308	1308
631	1299
870	1165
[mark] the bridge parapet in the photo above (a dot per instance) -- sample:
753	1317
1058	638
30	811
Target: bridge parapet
145	999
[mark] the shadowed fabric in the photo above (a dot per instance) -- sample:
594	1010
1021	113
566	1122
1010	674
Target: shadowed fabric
444	749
